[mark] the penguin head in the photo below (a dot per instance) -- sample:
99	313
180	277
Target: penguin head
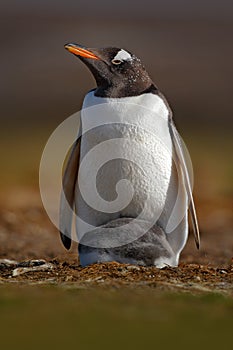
117	72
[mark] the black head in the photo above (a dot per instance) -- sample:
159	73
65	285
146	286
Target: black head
117	72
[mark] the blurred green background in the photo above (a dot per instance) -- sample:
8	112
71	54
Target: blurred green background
132	318
185	45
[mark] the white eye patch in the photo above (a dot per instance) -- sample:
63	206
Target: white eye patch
122	55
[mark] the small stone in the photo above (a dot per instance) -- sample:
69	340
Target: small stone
133	267
31	263
98	278
69	278
21	270
8	262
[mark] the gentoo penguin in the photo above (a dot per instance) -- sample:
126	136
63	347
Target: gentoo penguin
127	121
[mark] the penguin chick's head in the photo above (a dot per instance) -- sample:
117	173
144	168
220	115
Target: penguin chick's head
117	72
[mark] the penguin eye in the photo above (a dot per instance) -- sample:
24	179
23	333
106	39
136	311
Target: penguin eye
116	62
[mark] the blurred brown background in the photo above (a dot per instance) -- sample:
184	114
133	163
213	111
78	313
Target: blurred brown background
185	45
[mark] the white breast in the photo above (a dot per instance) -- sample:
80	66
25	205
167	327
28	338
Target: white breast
126	138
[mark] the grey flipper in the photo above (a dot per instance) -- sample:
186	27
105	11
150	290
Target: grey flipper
67	196
184	170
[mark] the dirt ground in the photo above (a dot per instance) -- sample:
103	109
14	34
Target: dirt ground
32	244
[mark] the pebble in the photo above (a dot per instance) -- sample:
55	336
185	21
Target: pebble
31	263
21	270
197	278
69	278
98	278
133	267
8	262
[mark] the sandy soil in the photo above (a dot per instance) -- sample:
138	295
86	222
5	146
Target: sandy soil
26	234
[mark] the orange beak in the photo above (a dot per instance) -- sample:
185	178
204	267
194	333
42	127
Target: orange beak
79	51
